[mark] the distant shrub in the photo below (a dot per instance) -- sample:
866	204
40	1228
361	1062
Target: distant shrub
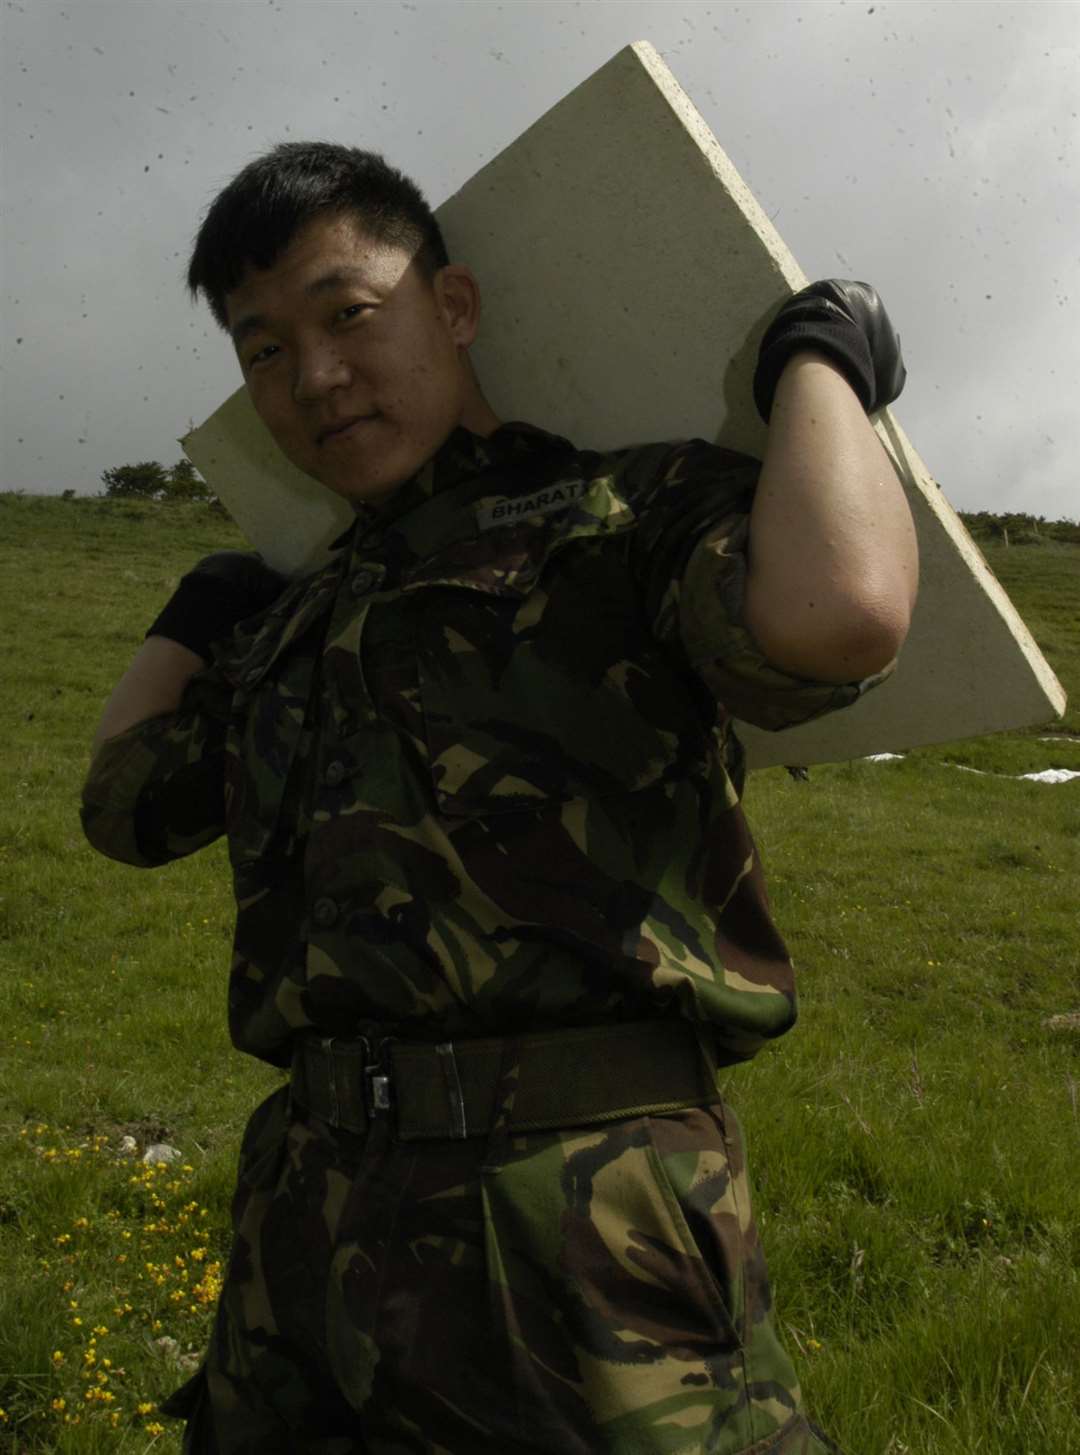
1014	528
150	480
144	481
185	483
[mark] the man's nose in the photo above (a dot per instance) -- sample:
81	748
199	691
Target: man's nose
320	368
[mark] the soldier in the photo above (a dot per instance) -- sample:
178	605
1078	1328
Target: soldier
498	910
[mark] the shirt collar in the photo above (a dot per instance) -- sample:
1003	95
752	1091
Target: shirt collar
462	456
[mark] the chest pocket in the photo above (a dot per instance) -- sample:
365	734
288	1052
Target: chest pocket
538	679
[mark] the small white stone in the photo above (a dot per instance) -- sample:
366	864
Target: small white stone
161	1152
1068	1021
128	1146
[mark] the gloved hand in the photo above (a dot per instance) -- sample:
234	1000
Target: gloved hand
848	322
219	591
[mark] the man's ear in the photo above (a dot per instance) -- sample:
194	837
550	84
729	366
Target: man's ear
458	295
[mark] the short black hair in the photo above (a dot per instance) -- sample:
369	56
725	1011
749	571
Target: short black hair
251	222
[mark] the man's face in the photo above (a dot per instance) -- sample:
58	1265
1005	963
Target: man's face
352	358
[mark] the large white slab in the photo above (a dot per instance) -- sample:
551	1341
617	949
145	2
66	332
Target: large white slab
628	276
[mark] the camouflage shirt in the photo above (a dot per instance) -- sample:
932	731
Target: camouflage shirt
477	773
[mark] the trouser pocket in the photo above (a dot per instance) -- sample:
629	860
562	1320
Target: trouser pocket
638	1237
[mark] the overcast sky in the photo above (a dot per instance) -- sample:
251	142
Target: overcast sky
930	149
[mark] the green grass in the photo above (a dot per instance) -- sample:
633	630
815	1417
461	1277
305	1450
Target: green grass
914	1144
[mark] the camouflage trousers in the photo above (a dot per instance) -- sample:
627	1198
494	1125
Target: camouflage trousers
599	1289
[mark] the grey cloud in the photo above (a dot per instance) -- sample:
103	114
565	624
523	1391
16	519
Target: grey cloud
929	148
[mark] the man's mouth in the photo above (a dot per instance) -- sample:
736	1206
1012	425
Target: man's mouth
343	428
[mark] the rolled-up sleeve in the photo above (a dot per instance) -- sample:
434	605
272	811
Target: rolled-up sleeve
157	791
692	557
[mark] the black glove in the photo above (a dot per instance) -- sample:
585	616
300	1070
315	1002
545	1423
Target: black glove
848	322
214	595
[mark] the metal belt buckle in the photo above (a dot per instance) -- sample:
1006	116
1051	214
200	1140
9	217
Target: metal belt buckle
458	1127
377	1083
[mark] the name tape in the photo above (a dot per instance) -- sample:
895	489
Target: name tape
543	502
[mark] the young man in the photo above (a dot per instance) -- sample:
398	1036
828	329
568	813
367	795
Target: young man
497	906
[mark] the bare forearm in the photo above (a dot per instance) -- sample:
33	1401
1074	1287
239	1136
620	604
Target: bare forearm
152	685
833	562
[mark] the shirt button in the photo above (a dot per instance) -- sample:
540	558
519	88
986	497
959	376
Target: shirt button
324	912
335	772
363	582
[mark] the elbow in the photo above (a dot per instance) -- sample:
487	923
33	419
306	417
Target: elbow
868	648
109	804
113	834
139	810
875	636
141	835
847	644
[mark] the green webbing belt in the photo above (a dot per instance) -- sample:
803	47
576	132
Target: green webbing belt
565	1078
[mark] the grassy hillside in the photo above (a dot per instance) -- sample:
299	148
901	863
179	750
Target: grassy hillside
914	1142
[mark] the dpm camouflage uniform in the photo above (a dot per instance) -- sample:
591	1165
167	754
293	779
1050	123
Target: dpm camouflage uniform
480	790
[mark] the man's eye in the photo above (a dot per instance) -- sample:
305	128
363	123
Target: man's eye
262	356
354	310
